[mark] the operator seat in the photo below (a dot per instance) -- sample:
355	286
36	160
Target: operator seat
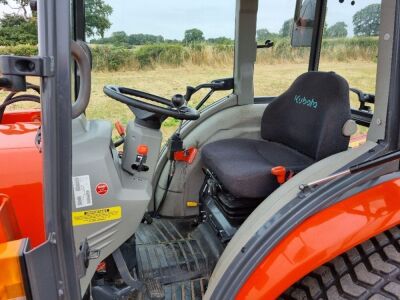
303	125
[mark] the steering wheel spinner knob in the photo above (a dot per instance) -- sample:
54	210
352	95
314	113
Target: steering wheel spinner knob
178	100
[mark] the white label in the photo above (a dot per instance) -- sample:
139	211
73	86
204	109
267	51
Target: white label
82	191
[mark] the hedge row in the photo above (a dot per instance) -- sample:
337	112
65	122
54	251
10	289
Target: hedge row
110	58
22	50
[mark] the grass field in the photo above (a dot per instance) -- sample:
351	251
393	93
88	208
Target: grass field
269	80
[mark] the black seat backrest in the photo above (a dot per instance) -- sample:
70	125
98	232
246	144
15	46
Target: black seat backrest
309	117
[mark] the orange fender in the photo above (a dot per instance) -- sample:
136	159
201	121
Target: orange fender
322	237
21	175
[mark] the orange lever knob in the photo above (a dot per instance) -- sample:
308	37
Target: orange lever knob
142	150
280	173
120	128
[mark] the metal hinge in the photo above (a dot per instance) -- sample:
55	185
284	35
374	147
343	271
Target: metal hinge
26	66
14	70
85	254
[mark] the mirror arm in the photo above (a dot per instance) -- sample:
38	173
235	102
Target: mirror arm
201	103
190	91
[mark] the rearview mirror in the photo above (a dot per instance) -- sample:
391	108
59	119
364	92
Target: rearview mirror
303	23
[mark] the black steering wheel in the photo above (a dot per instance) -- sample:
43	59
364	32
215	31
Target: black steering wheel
176	108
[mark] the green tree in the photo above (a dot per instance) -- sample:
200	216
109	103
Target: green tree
97	13
144	39
119	38
15	29
339	29
193	36
287	27
367	20
18	5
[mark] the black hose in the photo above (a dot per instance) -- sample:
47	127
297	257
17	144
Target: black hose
11	98
14	99
34	87
171	174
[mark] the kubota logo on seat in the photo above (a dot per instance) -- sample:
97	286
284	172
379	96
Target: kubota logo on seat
312	103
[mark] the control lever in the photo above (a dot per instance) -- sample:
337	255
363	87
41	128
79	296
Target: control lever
121	131
282	174
141	158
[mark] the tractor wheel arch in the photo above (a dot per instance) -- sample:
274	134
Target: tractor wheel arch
323	237
368	271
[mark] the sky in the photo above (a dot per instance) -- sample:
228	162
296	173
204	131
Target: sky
214	17
170	18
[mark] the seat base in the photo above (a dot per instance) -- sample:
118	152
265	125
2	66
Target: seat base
243	166
223	212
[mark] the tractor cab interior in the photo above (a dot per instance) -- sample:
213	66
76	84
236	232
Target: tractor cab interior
159	218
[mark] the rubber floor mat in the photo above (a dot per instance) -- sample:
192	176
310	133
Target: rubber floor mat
167	253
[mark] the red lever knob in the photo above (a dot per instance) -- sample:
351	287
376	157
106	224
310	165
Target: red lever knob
280	173
142	150
120	128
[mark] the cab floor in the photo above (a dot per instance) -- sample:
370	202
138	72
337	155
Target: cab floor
168	254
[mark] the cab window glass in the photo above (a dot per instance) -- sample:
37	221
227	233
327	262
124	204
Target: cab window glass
159	47
350	48
277	67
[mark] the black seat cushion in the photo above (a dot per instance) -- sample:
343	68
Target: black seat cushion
244	166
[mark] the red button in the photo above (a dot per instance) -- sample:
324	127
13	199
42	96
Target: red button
102	189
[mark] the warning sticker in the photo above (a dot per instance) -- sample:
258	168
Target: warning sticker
82	191
96	215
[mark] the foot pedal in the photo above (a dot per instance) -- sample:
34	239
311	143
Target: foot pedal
123	270
154	289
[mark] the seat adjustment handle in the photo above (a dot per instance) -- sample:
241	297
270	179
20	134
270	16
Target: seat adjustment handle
280	173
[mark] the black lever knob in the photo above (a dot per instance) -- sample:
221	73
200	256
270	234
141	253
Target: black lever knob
178	100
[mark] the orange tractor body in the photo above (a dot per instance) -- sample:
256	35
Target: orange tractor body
21	177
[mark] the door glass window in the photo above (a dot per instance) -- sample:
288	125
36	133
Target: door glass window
350	48
159	47
277	67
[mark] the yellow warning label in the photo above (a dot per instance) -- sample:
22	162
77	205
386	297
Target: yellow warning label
85	217
191	204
